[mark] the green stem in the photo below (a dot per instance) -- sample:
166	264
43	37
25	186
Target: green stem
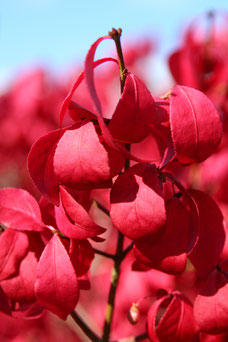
112	291
89	333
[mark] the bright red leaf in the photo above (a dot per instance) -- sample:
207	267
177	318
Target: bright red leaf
81	160
196	126
73	220
56	287
13	247
40	164
19	210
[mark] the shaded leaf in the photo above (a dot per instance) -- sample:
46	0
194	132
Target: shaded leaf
134	112
137	204
205	255
167	252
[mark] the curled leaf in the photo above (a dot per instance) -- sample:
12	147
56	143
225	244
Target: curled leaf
175	322
73	220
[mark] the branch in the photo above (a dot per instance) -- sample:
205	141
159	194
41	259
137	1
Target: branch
112	291
89	333
127	250
105	254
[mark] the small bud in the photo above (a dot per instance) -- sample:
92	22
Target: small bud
133	313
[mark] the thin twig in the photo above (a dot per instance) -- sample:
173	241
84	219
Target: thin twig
127	250
105	254
102	208
89	333
132	338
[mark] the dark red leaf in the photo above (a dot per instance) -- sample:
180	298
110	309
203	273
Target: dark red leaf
177	323
168	252
81	254
205	255
137	204
134	112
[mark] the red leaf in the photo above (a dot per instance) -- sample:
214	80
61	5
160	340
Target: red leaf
19	210
162	107
89	75
177	323
81	254
83	282
134	112
77	112
137	204
13	247
205	255
40	164
67	101
81	160
57	286
196	127
168	252
73	220
211	306
21	286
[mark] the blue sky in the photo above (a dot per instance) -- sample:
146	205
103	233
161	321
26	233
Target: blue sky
57	34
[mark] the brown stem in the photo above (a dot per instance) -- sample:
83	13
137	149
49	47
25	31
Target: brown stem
115	35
